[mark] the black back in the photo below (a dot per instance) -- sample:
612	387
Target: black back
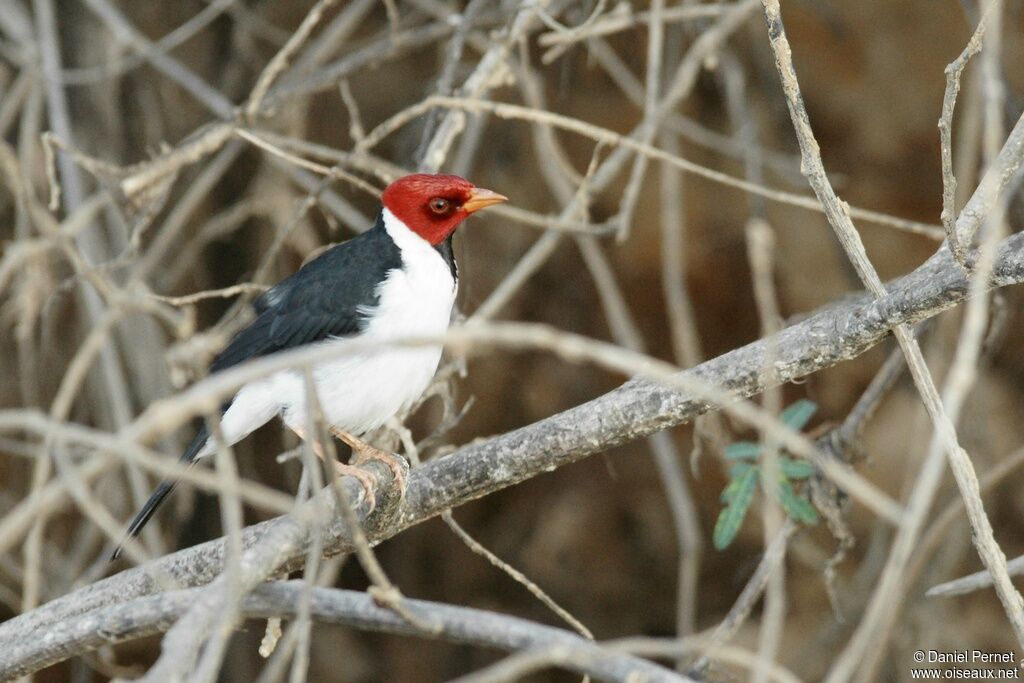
325	298
328	297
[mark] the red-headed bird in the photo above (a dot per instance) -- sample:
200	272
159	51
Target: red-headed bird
397	280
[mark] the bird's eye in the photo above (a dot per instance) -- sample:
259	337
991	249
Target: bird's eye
439	205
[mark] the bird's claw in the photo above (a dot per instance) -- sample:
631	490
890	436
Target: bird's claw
394	462
366	479
363	452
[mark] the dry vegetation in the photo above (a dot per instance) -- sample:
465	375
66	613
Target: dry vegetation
163	162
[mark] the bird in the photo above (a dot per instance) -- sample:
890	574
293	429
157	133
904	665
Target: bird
396	280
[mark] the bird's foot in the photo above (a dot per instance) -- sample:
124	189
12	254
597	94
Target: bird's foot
366	479
363	452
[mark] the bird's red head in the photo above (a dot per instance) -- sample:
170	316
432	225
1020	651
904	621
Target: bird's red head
432	206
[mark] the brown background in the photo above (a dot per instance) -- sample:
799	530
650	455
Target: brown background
597	535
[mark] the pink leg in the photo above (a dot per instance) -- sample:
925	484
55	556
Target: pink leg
362	451
367	479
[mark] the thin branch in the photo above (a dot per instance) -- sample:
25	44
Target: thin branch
751	593
939	530
223	293
883	601
761	255
149	615
609	137
636	409
622	18
954	72
280	61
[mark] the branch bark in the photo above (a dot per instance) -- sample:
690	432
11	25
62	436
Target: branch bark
156	613
836	333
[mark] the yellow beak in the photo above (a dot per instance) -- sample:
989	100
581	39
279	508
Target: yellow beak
479	198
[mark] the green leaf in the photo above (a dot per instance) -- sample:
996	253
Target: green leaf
799	414
743	450
739	469
797	507
737	481
805	511
730	490
739	493
795	469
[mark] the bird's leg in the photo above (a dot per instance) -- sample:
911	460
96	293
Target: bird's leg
367	479
362	451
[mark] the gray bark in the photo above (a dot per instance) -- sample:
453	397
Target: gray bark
838	332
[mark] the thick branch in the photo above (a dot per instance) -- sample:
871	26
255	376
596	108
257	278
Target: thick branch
839	332
156	613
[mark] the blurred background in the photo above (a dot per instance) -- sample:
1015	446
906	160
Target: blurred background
599	535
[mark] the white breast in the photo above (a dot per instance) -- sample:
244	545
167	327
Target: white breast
359	393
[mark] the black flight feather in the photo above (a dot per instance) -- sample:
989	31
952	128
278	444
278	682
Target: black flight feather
327	298
162	491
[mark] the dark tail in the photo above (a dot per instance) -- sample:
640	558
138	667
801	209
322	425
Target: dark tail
161	492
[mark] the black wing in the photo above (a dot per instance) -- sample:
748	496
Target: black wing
326	298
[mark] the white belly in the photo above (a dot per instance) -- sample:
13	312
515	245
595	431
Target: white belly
359	392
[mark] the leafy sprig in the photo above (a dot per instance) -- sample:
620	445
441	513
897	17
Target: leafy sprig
745	474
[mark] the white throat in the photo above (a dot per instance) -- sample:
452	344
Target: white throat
360	392
424	270
403	236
